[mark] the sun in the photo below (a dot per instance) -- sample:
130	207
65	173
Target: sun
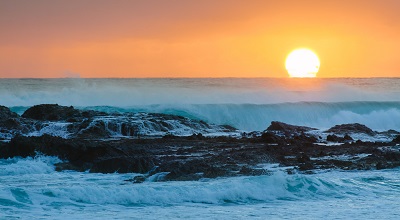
302	63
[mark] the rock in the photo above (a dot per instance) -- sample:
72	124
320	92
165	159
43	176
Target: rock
137	179
6	114
123	164
55	112
396	139
306	166
271	138
248	171
94	130
51	112
214	172
351	128
287	129
303	158
335	138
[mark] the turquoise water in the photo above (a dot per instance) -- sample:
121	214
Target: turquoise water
30	188
248	104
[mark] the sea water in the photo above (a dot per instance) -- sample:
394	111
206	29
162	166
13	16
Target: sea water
247	104
30	188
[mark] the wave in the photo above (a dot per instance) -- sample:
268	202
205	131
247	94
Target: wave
250	117
248	104
76	188
378	116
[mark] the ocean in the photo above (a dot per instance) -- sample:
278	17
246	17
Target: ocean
30	188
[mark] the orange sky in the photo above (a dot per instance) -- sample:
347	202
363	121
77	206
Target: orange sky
207	38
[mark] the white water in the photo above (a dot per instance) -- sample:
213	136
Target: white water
30	188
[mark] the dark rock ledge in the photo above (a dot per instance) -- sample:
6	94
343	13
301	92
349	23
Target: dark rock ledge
196	156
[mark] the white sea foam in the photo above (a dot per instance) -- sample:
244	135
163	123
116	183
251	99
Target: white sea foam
58	129
43	193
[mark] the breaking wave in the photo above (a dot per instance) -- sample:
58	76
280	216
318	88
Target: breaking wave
248	104
91	188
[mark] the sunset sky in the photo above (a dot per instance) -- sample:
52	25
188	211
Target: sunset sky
205	38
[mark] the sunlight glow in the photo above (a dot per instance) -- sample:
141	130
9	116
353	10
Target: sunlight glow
302	63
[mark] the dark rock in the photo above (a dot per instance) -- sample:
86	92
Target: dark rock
196	137
6	113
287	129
131	164
55	112
95	130
303	158
249	171
51	112
137	179
271	138
213	172
303	138
332	138
347	138
335	138
396	139
351	128
306	166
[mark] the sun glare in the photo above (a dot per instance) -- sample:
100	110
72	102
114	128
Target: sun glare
302	63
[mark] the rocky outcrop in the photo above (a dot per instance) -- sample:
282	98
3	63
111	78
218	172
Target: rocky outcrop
82	155
351	128
173	156
287	129
338	139
54	112
68	122
6	114
396	139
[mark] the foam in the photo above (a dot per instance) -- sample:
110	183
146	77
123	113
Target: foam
27	166
58	129
44	193
248	104
379	116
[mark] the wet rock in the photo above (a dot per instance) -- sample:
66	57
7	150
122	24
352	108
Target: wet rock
351	128
306	166
6	113
196	137
396	139
303	158
287	129
55	112
249	171
137	179
335	138
123	164
269	137
95	130
213	172
51	112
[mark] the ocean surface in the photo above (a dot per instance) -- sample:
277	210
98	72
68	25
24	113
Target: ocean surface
30	188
